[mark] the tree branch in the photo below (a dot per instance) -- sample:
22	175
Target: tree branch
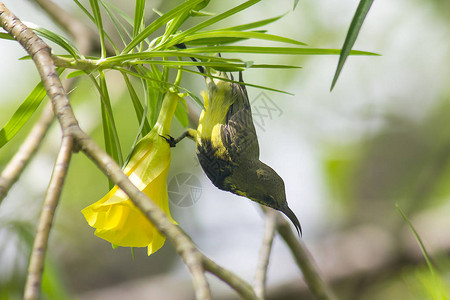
304	260
37	260
264	253
244	289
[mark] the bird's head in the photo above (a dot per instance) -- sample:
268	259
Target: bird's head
263	185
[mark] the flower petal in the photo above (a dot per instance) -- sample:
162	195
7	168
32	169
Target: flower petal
115	216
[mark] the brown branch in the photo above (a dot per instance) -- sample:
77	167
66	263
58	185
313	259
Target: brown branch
304	260
244	289
264	253
37	260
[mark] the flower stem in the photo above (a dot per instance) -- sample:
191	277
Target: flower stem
166	113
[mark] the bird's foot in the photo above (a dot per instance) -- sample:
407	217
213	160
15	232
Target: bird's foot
169	139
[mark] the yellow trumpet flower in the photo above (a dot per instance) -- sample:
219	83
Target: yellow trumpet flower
115	216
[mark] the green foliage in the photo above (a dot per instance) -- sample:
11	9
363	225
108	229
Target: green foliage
352	34
22	114
151	58
432	285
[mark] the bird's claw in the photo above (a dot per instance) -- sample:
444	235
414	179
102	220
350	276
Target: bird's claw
169	140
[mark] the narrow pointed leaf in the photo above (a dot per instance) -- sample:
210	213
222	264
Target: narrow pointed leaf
139	12
88	14
137	105
112	144
217	40
99	23
84	10
254	24
271	50
182	116
245	83
59	40
352	34
117	23
419	240
113	60
216	65
22	114
155	25
6	36
213	20
75	74
240	34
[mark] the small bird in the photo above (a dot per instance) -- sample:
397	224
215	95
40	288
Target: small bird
228	150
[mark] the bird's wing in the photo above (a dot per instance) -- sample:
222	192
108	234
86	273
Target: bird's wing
239	136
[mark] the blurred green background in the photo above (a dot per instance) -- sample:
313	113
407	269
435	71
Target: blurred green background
347	157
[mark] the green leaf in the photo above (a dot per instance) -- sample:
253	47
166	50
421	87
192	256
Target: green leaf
254	24
22	114
6	36
271	50
112	144
84	10
352	34
75	74
139	12
217	41
174	24
155	86
117	23
59	40
176	40
228	66
181	115
113	61
159	83
436	288
98	22
155	25
137	106
202	13
240	34
419	240
88	14
245	83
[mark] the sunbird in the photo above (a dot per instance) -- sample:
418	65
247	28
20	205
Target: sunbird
228	150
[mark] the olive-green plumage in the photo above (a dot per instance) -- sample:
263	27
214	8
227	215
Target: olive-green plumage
228	150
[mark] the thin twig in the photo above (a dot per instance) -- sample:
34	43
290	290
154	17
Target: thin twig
244	289
305	261
264	253
37	260
17	164
41	55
